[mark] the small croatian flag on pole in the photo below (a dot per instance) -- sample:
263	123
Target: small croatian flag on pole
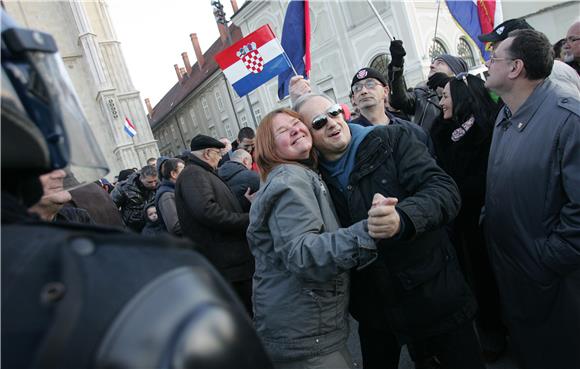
129	128
253	60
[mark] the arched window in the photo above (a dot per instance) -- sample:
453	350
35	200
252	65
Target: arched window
465	53
437	48
380	63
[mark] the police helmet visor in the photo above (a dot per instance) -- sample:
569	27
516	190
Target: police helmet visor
37	73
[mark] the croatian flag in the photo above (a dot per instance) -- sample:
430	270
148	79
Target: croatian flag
476	17
295	39
253	60
129	128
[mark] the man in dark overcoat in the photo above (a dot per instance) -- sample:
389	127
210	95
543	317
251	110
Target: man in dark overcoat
211	216
532	219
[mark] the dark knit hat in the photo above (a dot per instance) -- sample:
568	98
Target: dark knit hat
502	31
457	65
201	142
365	73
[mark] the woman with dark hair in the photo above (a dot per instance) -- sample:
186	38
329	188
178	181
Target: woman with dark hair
169	170
462	138
301	282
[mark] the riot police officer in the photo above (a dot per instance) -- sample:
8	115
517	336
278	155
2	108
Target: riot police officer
76	296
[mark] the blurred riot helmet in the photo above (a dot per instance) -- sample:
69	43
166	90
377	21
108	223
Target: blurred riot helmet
43	125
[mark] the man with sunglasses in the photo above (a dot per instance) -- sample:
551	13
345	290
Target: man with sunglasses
370	93
211	216
532	205
414	293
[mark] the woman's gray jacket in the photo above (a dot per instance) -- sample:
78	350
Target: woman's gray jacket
301	283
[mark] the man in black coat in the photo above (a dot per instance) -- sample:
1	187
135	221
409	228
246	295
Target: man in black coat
211	216
423	101
414	293
132	195
238	174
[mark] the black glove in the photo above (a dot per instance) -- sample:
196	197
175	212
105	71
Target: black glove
438	80
397	53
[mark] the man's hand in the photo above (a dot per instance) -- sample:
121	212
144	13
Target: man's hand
298	87
397	53
250	196
438	80
384	221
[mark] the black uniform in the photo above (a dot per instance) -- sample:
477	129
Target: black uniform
77	296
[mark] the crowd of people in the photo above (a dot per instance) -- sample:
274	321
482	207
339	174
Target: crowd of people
444	217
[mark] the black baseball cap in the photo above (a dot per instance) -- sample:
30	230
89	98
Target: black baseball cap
502	31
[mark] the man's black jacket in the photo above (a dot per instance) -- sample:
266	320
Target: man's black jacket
415	287
131	196
422	102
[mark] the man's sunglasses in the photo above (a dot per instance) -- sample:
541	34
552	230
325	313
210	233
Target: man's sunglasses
320	120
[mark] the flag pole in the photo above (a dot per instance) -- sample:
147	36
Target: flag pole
380	20
286	57
436	23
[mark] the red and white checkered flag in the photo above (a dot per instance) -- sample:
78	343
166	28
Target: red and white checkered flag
253	61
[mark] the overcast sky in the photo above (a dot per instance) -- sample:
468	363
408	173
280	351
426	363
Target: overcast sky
154	33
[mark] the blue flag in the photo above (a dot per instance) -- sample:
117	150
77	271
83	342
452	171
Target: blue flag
296	43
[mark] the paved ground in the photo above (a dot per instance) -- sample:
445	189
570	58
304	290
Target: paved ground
506	362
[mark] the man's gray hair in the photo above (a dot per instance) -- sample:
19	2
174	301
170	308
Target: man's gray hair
198	153
302	100
239	155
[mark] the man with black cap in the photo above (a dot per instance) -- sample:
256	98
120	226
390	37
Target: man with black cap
501	32
423	101
562	74
211	216
370	92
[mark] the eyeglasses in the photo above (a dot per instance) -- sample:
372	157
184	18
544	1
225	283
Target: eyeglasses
217	152
320	120
493	59
368	83
570	39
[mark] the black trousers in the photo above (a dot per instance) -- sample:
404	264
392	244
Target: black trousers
244	291
457	349
469	242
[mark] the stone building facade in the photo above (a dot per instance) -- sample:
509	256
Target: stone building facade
94	60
